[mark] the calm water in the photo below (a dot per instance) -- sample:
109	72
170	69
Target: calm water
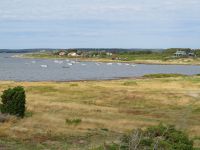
18	69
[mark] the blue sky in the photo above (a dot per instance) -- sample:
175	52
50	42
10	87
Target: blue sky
99	23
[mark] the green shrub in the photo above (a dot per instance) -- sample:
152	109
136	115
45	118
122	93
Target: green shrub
157	137
13	101
165	137
73	121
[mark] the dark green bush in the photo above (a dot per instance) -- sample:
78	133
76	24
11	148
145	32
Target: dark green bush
13	101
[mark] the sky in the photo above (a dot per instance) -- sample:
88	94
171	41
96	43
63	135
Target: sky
99	24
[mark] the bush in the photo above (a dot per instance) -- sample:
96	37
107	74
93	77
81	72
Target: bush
157	137
13	101
75	121
160	137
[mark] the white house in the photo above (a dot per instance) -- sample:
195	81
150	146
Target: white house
73	54
109	54
180	54
62	54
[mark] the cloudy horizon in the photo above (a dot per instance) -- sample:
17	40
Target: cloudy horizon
99	24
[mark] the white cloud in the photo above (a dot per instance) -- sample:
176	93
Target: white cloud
98	9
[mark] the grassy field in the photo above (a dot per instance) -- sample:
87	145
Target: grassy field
139	59
84	115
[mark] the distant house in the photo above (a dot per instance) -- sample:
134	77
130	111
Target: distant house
62	53
73	54
192	54
180	54
109	54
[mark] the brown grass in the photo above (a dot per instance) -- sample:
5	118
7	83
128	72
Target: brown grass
110	105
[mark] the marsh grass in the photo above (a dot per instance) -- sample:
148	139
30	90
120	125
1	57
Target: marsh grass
60	114
73	84
164	75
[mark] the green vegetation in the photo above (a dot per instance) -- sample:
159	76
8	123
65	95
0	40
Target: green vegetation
73	121
144	56
161	75
165	137
130	83
13	101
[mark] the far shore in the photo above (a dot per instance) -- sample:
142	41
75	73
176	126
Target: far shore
182	61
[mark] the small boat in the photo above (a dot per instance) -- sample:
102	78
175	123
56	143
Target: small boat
43	66
58	62
70	64
65	67
109	64
133	65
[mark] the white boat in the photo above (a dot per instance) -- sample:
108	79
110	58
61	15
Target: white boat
109	64
43	66
58	62
70	64
83	64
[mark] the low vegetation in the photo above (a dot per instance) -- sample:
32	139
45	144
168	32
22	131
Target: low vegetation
161	75
165	137
96	112
73	121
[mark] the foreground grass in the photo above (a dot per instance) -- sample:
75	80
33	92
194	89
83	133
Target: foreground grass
84	115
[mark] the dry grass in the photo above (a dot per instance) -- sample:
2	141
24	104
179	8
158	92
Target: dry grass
106	109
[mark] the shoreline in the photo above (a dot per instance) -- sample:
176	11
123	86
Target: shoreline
145	62
74	81
96	80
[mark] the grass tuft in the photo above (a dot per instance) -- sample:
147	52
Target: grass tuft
75	121
73	84
130	83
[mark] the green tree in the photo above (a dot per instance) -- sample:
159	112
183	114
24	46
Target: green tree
13	101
